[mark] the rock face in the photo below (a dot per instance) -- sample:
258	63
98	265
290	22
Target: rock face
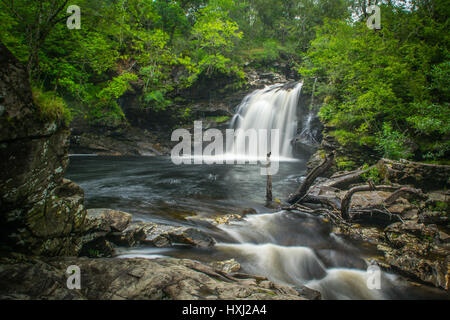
123	142
421	175
40	211
137	279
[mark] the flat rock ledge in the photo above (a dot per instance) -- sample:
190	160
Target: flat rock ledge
136	279
105	229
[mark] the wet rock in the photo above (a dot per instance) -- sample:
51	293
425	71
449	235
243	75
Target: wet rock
310	294
411	263
227	219
121	142
444	237
42	213
257	80
132	236
411	249
228	266
101	226
98	247
137	279
163	236
107	220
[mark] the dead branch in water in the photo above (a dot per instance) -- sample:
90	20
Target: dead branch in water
269	196
312	176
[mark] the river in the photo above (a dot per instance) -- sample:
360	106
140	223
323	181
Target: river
289	248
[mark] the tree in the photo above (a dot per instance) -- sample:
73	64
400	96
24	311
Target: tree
35	21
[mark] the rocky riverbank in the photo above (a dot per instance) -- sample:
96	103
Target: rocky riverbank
383	206
45	227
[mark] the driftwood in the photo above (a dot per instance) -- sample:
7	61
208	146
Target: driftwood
378	214
312	176
345	203
332	203
339	210
344	180
333	215
403	192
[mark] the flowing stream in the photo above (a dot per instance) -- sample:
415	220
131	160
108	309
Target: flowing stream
289	248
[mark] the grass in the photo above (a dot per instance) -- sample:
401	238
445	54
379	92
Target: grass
52	106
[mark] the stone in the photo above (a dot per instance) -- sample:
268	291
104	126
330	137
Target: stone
228	266
132	279
420	175
163	236
107	220
42	213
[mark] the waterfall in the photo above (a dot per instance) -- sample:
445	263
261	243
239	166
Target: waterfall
274	107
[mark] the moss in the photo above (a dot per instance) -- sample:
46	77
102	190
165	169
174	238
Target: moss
344	163
373	174
270	293
53	107
220	119
439	206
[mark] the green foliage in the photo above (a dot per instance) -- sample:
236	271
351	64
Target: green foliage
156	98
386	90
392	144
219	119
52	106
372	174
345	164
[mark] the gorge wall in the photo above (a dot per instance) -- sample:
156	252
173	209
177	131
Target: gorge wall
41	212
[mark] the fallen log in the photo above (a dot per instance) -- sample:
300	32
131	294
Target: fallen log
405	192
312	176
377	215
344	180
332	203
345	203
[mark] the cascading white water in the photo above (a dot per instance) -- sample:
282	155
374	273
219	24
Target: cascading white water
271	108
264	251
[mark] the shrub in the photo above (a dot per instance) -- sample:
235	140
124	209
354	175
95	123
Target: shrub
392	144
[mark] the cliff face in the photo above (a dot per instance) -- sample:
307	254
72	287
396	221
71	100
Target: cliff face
40	211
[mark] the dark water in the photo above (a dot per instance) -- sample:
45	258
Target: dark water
290	248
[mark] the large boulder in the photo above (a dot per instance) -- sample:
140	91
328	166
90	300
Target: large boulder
107	220
40	211
162	236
